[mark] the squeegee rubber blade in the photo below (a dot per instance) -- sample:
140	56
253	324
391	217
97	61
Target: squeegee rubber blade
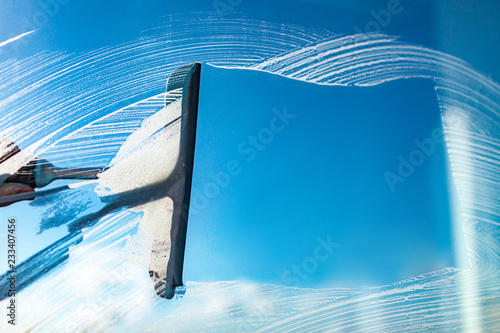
182	83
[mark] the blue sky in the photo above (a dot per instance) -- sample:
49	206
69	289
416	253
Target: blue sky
98	23
299	187
319	174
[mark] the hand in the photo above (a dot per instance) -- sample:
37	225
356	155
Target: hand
11	189
10	149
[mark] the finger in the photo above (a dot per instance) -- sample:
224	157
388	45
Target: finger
11	189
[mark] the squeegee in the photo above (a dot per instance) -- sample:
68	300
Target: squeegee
322	175
182	86
182	89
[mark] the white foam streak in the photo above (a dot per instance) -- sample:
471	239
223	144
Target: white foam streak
13	39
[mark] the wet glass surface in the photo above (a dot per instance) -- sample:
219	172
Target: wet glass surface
346	167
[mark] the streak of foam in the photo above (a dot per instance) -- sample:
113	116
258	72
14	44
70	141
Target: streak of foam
73	95
95	100
13	39
470	105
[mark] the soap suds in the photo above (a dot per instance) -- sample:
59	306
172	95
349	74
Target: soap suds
149	154
148	157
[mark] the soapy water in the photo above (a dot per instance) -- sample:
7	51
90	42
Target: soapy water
105	284
144	162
